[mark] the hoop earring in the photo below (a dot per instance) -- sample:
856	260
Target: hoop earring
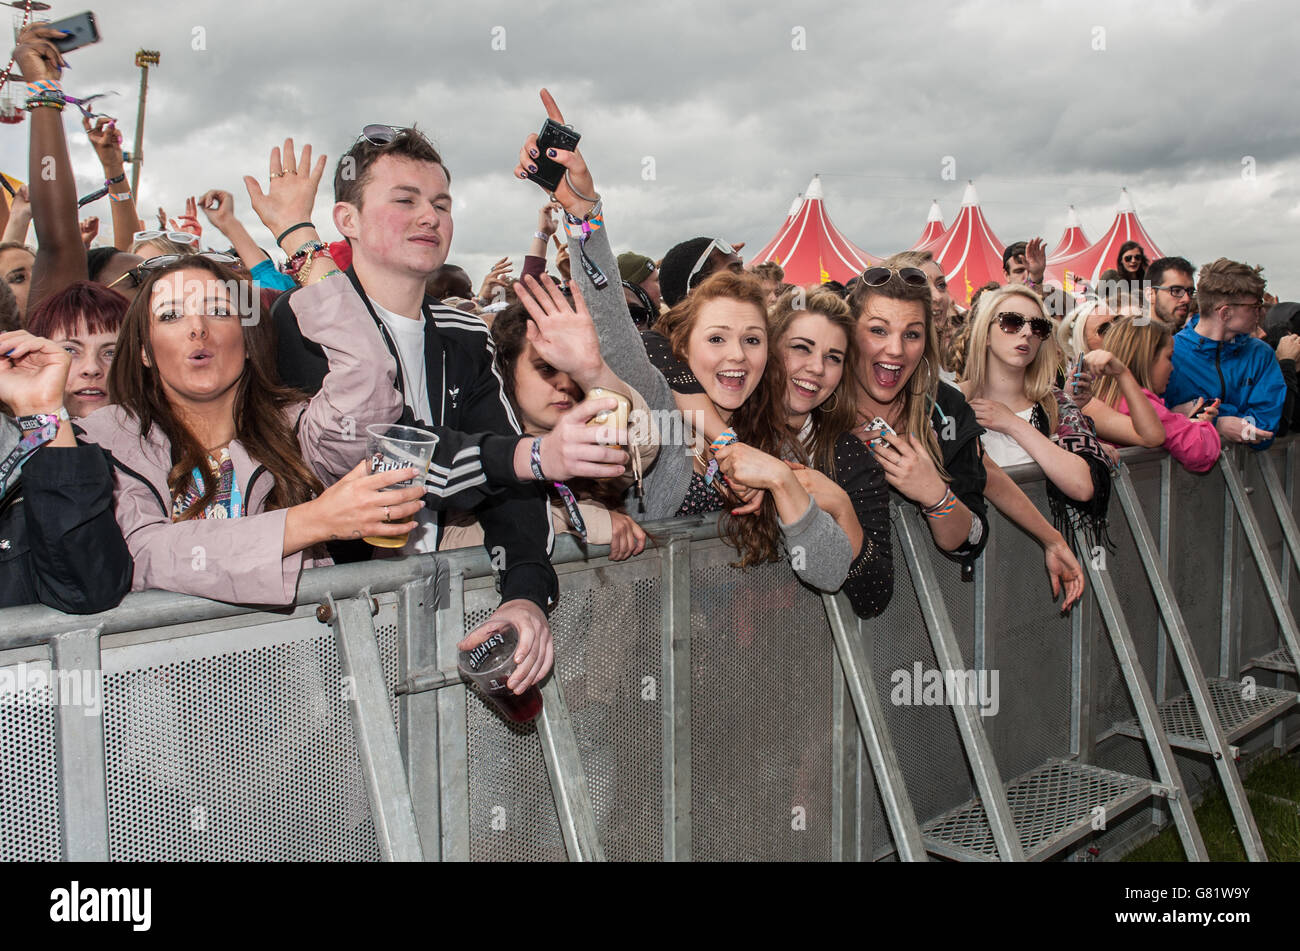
832	404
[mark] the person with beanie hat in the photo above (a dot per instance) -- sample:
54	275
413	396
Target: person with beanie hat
640	287
689	263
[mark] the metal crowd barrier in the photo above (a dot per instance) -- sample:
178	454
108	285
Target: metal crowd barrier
697	712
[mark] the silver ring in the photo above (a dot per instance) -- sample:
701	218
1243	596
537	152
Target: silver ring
386	517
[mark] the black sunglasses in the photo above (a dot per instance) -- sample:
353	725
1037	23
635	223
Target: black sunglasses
1013	323
380	134
878	275
137	274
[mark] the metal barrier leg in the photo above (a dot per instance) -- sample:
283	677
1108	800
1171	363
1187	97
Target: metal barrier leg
417	605
75	666
846	744
568	781
875	734
1215	743
372	720
1144	703
915	538
675	588
453	728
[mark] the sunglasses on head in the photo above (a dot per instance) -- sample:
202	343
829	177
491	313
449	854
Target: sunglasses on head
717	245
379	134
138	273
879	275
179	237
1013	323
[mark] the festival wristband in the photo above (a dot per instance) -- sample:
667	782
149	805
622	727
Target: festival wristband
41	428
566	494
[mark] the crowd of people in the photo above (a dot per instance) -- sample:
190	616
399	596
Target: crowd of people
159	433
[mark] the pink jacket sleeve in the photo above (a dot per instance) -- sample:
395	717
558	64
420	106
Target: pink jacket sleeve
359	388
1194	443
235	560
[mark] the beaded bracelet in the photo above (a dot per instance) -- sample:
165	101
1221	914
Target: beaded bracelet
37	101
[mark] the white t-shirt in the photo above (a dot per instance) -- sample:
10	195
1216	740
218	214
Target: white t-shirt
408	334
1004	450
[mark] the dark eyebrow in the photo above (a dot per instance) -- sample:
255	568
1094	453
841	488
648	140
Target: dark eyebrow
813	343
415	191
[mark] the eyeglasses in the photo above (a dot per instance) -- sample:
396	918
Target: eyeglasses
178	237
1013	323
1254	306
379	134
1177	291
878	275
717	245
1131	258
137	274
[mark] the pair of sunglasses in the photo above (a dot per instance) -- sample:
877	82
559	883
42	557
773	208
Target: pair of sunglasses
138	273
1013	323
717	245
179	237
380	134
879	275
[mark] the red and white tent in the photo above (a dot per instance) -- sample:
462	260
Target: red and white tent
1073	241
969	253
1088	264
934	228
810	248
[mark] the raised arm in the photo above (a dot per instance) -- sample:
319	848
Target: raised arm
1141	426
107	141
1069	472
61	257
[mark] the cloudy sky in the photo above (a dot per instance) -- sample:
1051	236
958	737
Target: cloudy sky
709	117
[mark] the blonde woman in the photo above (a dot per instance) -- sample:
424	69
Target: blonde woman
1010	382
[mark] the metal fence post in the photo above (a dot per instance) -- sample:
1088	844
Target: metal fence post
372	722
568	781
79	744
675	588
417	605
453	727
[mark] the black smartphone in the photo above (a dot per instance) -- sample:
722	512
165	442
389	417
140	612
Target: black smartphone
550	173
82	28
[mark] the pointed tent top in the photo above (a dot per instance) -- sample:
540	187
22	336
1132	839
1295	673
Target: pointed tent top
1072	219
1125	203
968	197
814	192
935	213
794	206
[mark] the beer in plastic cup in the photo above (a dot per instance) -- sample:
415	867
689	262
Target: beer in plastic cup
390	447
486	669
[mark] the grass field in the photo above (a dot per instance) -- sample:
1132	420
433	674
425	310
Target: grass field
1274	793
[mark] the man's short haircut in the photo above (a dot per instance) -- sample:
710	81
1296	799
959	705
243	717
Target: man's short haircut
353	170
1012	251
769	271
450	280
1222	280
1156	269
676	268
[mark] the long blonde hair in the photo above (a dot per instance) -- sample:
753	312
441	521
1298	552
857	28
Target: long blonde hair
1134	342
1040	375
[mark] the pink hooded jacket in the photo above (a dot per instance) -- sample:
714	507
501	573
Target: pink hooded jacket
1195	443
239	560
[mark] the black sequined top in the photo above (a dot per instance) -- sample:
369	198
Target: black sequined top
700	498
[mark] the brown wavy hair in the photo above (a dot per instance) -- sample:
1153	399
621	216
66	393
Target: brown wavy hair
759	422
260	400
837	414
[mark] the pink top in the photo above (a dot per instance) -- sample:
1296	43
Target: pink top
1194	443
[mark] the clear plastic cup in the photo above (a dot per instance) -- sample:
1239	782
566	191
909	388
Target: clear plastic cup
486	669
390	447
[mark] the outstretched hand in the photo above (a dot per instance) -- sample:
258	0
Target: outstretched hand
578	177
562	333
33	372
291	192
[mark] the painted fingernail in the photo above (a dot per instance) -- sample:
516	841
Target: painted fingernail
552	153
523	175
532	168
533	153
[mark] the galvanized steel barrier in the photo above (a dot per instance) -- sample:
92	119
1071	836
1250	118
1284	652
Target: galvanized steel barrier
697	712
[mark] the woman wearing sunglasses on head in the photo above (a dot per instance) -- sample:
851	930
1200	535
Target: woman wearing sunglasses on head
721	333
1010	383
219	469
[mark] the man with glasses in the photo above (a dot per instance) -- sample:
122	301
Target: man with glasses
393	205
1171	288
1216	356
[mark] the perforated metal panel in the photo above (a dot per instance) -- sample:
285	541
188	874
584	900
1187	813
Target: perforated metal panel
760	713
233	746
29	781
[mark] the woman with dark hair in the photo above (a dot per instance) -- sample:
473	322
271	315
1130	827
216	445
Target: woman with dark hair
1123	282
219	469
84	318
540	395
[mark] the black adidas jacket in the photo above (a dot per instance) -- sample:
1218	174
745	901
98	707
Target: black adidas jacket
473	462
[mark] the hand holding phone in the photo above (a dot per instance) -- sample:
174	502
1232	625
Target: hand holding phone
554	135
81	30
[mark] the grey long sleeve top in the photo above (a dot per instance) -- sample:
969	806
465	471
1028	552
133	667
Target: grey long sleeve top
823	550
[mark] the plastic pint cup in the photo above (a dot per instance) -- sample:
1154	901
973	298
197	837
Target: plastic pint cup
486	669
390	447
